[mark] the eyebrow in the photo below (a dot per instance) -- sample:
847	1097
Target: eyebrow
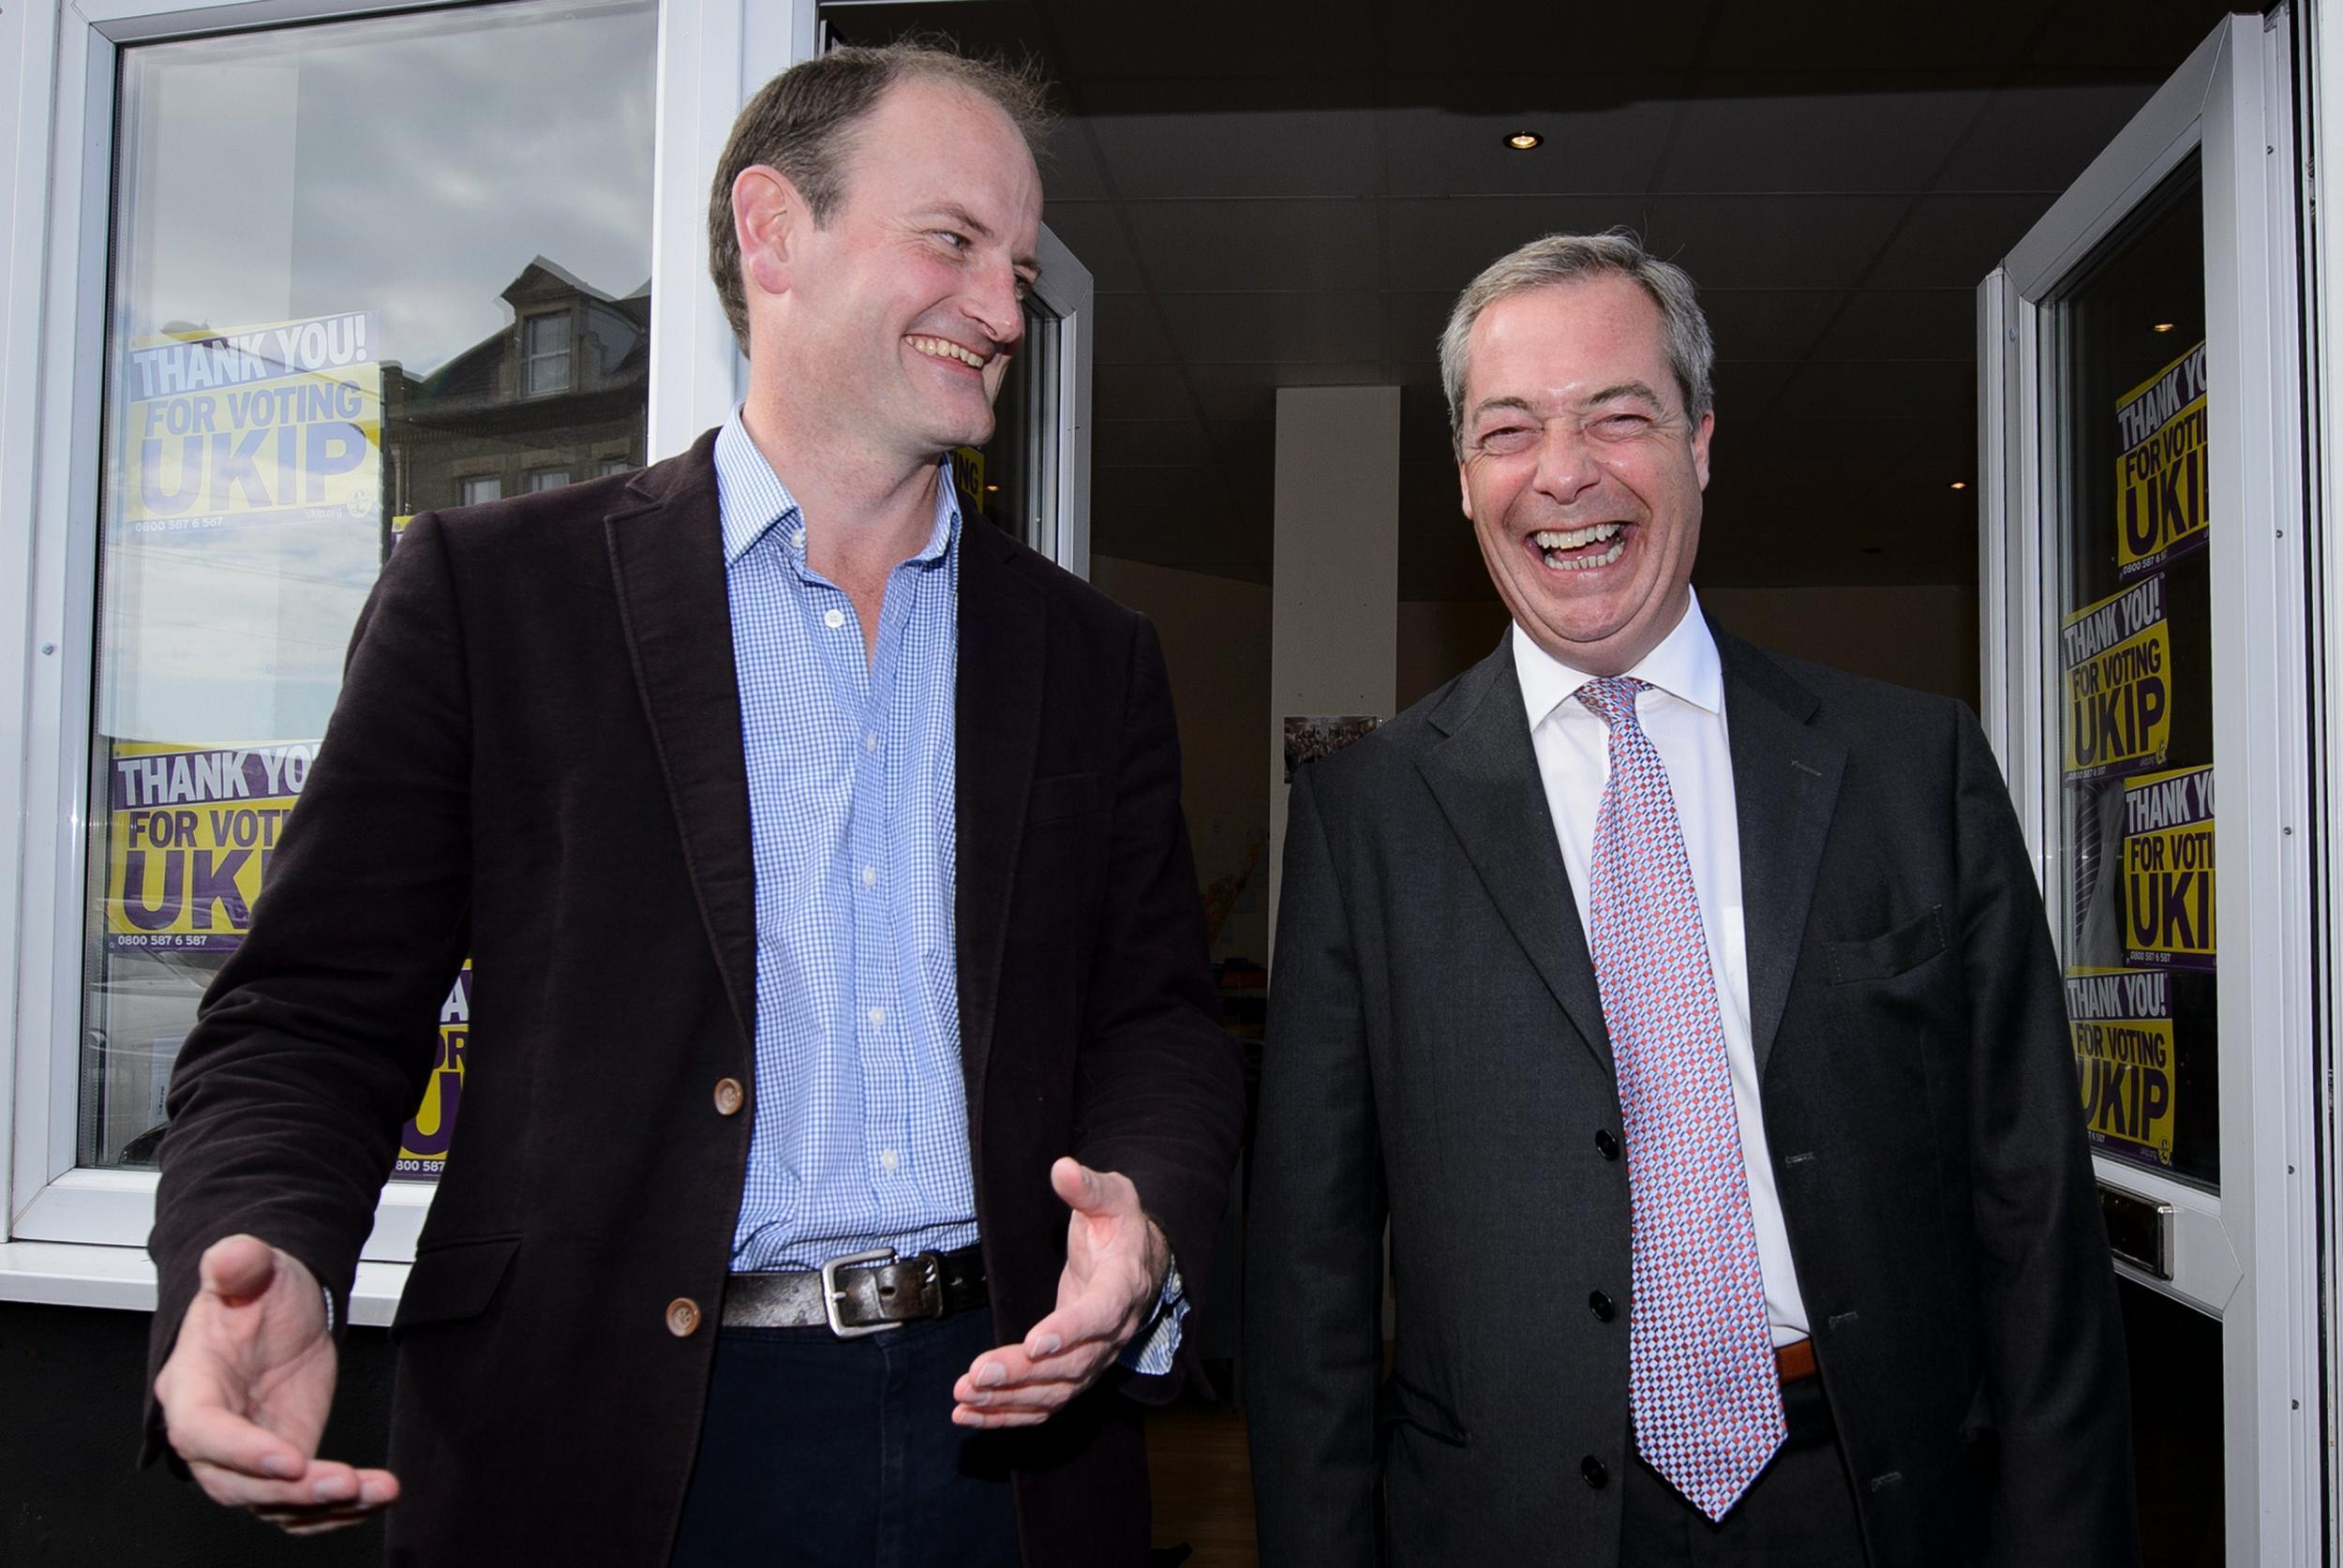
983	230
1609	394
1625	389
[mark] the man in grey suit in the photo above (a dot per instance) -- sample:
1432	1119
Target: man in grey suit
1688	1014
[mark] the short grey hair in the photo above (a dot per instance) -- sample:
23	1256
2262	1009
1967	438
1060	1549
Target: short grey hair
1565	259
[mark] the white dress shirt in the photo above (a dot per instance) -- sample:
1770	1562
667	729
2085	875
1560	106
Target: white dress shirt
1683	713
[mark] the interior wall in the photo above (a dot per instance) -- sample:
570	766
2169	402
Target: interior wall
1216	641
1922	635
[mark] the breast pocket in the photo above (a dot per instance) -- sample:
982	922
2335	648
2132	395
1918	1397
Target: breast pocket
1899	951
454	1282
1060	795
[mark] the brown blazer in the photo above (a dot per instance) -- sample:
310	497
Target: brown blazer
537	759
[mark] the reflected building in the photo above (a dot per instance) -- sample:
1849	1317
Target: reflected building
557	396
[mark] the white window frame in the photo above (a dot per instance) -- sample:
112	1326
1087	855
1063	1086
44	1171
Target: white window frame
2250	1252
77	1237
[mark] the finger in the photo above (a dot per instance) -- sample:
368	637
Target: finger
1050	1395
204	1431
377	1490
985	1421
324	1484
1108	1310
1002	1372
318	1518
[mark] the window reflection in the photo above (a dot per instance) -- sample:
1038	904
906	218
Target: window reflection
360	270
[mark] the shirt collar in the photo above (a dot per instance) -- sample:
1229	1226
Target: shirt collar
1684	666
750	499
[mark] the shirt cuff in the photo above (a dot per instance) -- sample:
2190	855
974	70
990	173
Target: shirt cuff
1152	1349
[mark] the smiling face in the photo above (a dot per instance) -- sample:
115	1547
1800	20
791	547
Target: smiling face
897	319
1580	469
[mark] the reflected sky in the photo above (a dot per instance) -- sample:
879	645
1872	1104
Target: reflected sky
411	166
408	166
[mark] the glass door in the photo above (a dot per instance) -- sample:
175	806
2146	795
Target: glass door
2142	398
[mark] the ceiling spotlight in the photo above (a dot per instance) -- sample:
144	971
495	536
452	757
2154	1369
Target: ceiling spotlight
1960	483
990	490
1522	141
2164	326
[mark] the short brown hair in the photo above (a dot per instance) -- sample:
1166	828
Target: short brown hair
801	124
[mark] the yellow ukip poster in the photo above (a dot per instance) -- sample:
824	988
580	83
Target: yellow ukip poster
2168	869
190	834
2122	1021
276	422
2116	660
2162	490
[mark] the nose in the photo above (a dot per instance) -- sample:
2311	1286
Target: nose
995	304
1566	463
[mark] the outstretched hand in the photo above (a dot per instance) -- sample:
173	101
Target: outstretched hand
246	1392
1116	1263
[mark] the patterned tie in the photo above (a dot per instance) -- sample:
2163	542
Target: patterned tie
1702	1384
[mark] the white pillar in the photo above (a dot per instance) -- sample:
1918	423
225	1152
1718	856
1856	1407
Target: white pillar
1334	578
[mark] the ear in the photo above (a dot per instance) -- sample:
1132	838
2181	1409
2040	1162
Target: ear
1700	447
767	219
1464	490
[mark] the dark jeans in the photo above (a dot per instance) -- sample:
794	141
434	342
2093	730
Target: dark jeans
817	1450
1798	1514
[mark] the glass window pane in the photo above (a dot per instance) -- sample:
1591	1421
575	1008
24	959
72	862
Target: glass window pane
418	239
1012	480
2133	686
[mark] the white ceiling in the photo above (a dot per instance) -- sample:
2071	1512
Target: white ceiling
1290	192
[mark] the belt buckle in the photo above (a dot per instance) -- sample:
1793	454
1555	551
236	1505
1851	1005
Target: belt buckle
831	1294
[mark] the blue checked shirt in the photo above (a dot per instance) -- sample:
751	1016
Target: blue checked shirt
861	1133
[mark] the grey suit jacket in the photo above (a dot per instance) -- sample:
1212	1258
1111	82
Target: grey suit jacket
1436	1056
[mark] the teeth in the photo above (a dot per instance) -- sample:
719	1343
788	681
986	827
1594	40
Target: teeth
1581	563
938	348
1574	538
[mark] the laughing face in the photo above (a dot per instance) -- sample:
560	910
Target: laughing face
905	306
1581	471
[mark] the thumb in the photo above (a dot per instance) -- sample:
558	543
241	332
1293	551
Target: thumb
238	1268
1077	1187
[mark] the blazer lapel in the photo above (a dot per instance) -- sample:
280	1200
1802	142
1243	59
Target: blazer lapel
1785	786
1003	646
1485	778
667	559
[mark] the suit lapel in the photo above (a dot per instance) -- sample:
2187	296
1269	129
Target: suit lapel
1003	646
667	559
1785	786
1485	778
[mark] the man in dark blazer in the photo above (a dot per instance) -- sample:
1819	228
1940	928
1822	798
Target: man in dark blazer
541	758
1689	1015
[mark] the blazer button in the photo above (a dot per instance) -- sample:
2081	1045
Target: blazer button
728	1097
1600	1305
1591	1467
683	1317
1606	1144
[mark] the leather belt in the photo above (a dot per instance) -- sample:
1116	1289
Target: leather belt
864	1293
1794	1361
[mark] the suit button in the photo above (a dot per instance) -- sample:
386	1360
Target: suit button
1600	1305
1591	1467
728	1097
683	1317
1606	1144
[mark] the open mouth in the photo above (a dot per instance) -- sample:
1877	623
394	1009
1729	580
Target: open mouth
943	347
1581	549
